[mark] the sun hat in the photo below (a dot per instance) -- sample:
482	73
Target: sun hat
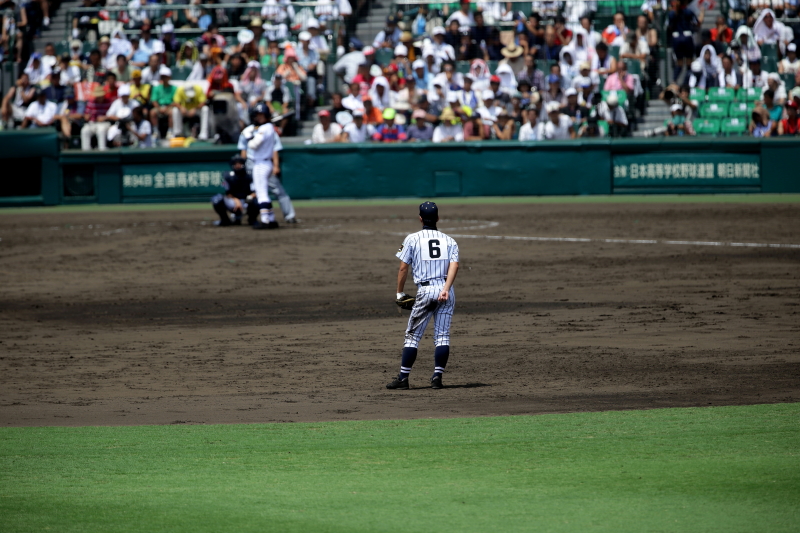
401	50
165	71
245	36
304	36
511	50
488	94
389	113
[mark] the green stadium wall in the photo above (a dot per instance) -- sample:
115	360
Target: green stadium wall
35	172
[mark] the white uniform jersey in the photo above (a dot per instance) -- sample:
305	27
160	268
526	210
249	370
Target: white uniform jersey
429	252
271	144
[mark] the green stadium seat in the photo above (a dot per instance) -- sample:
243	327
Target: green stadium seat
734	126
62	47
750	95
493	66
602	125
634	66
713	110
788	79
707	126
181	73
698	94
544	65
267	72
721	94
614	50
384	56
769	57
462	67
740	109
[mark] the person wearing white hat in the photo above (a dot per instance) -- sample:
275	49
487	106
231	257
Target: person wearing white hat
123	101
358	131
610	111
488	111
441	50
677	125
558	126
317	41
162	97
789	64
168	41
777	86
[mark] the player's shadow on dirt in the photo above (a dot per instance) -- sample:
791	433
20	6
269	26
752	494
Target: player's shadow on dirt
467	386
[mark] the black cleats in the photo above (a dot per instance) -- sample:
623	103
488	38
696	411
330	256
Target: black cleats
261	225
291	221
436	382
398	384
223	222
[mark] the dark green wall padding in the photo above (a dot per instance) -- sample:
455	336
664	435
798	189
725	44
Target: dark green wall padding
375	171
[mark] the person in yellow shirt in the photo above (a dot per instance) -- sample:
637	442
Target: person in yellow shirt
190	100
139	91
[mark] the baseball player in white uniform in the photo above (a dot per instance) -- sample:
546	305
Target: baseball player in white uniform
433	258
263	146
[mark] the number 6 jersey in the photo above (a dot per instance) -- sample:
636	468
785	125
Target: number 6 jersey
429	252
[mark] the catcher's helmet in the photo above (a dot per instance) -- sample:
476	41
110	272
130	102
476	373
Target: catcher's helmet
238	159
260	109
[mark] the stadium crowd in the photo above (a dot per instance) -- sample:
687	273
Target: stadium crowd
441	73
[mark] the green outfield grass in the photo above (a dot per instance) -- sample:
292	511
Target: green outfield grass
487	200
727	469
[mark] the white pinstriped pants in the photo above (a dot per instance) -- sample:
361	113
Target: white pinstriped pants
262	170
426	307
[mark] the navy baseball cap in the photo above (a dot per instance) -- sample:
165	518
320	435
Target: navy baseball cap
428	211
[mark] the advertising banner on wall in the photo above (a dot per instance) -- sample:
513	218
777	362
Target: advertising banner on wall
183	179
686	170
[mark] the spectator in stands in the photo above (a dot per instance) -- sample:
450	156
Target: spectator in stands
573	109
252	87
236	67
187	55
612	112
140	128
95	122
201	69
372	115
147	43
169	43
776	85
760	124
721	33
683	23
291	70
467	96
122	70
107	61
603	63
162	98
788	125
110	86
590	129
389	37
308	60
389	131
279	100
475	129
614	34
449	128
326	131
379	93
532	130
49	58
569	69
123	102
54	90
558	126
318	41
119	44
531	74
452	36
150	73
211	39
709	73
190	107
36	71
41	113
748	47
462	16
768	30
775	111
549	50
554	92
467	49
440	49
635	49
754	77
357	131
789	64
70	113
730	77
504	127
490	109
678	125
70	74
420	129
139	91
621	80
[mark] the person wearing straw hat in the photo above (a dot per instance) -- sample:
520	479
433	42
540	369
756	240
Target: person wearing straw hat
449	128
512	56
96	124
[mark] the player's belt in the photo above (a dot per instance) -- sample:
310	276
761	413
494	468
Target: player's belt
426	283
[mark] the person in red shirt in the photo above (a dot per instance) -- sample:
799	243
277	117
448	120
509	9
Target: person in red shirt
788	126
96	121
563	35
721	33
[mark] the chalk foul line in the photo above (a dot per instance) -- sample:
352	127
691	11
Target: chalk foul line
628	241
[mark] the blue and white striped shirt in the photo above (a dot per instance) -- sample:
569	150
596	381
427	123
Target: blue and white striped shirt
429	252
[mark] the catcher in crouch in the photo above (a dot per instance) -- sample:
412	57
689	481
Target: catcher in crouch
433	258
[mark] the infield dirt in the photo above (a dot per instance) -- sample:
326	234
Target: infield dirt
157	317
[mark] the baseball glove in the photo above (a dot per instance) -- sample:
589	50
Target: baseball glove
405	301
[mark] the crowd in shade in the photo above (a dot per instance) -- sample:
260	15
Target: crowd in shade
440	72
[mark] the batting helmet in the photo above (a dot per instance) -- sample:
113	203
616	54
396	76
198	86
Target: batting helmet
238	159
260	109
